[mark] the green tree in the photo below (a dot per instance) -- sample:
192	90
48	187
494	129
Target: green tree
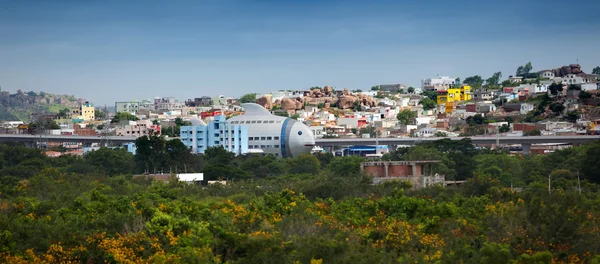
305	163
123	116
411	89
440	134
535	132
406	116
596	70
99	113
504	128
584	95
474	81
493	81
375	88
431	94
427	103
248	98
555	88
572	116
457	80
524	70
345	166
111	161
295	116
63	113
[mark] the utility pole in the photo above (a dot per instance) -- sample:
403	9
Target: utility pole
578	183
549	191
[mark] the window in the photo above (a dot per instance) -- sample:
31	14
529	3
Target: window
269	138
263	146
268	146
299	133
256	138
259	122
272	121
247	122
250	147
216	134
276	138
253	122
276	154
262	138
276	146
216	142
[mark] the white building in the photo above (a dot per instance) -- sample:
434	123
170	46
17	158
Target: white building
547	74
317	131
438	83
526	108
167	104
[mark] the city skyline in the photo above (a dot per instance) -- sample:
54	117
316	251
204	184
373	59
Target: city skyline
113	51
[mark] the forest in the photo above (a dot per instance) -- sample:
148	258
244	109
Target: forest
308	209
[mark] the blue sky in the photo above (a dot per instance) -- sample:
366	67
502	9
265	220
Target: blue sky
109	51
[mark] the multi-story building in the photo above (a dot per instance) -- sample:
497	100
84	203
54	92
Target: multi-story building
146	105
167	104
438	83
85	112
462	93
130	107
392	88
200	101
218	132
138	128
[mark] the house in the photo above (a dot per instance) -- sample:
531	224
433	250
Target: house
420	173
138	128
462	93
515	79
85	112
483	95
199	101
219	100
393	88
438	83
546	74
484	108
526	108
167	104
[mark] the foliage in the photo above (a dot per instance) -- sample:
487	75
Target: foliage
123	116
584	95
572	116
406	116
555	88
596	70
494	79
440	134
524	70
534	132
430	94
329	213
474	81
248	98
99	113
427	103
504	128
375	88
411	89
295	116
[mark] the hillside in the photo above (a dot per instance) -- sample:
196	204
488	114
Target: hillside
20	105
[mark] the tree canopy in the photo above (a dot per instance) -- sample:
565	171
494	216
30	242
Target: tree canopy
494	79
406	116
596	70
123	116
524	69
248	98
474	81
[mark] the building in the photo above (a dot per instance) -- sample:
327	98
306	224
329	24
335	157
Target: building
438	83
200	101
130	107
218	133
219	101
547	74
420	173
138	129
515	79
271	134
454	94
167	104
85	112
393	88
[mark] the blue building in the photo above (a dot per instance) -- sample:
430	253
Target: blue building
218	132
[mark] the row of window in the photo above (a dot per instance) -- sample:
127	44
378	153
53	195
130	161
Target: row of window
263	138
255	122
263	146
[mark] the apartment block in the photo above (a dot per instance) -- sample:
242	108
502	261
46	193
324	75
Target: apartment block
218	133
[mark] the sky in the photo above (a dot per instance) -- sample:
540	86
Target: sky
107	51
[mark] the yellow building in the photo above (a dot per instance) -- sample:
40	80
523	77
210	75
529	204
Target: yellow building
454	94
85	112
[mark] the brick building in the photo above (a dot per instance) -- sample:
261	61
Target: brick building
420	173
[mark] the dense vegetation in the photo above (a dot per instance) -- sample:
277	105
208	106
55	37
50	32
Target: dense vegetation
309	209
